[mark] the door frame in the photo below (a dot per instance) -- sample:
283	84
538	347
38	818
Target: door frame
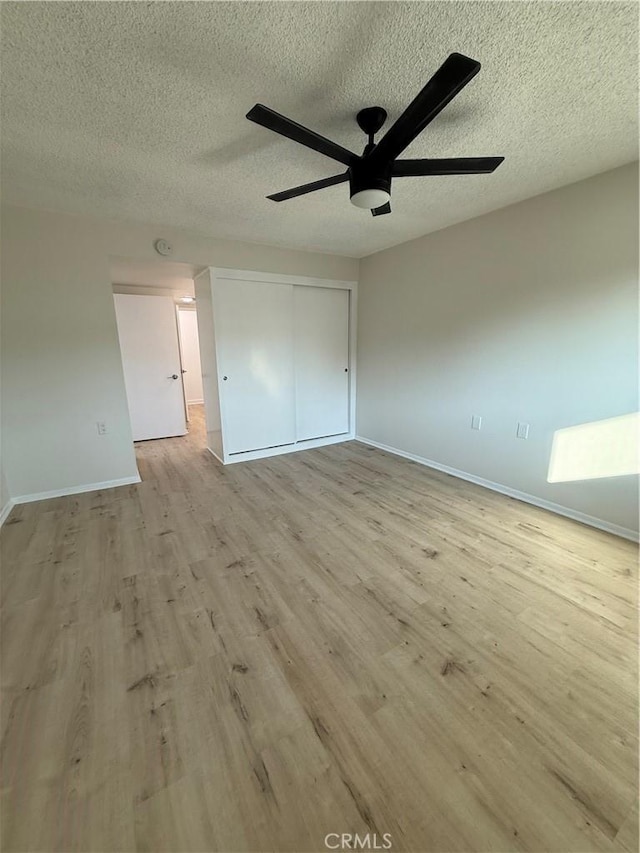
223	273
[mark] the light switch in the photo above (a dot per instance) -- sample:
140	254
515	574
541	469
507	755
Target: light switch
476	422
523	430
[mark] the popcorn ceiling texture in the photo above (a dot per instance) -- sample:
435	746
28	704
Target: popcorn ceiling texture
136	110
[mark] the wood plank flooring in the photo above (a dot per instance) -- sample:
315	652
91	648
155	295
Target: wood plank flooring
335	641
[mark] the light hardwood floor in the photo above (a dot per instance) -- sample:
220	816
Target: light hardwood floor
333	641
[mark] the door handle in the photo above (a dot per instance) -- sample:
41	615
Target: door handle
173	376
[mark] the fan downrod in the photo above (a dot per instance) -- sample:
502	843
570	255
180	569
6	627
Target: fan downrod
371	119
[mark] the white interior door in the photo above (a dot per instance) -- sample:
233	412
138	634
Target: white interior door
321	361
190	351
254	334
148	332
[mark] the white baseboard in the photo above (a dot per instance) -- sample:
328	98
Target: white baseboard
76	490
6	509
558	509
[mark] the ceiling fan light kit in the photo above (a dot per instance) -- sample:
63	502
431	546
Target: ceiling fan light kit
370	174
370	198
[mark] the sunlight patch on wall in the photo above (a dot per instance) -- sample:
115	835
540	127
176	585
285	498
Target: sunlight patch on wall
607	448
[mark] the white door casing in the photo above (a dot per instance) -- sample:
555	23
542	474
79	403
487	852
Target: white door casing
148	333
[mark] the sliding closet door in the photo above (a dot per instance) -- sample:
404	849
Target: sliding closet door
254	335
322	361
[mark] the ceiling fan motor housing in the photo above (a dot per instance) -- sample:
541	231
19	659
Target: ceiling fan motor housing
363	177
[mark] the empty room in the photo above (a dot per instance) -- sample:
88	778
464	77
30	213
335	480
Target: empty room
319	427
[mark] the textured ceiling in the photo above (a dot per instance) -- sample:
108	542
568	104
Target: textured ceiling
136	110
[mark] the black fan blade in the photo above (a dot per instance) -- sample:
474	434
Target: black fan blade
291	129
452	76
450	166
380	211
309	188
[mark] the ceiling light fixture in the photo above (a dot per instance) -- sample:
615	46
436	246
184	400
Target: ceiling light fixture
370	199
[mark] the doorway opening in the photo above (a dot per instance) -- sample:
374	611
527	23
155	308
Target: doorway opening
156	315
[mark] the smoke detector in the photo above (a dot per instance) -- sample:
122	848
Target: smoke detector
163	247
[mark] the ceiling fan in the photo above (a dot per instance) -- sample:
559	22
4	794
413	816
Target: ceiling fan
370	173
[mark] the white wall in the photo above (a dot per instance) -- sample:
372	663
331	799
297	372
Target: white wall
61	366
209	362
5	497
190	350
525	314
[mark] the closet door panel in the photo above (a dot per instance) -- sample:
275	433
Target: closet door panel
321	361
255	348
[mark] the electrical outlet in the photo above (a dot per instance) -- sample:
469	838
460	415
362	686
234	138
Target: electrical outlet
476	422
523	430
102	427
